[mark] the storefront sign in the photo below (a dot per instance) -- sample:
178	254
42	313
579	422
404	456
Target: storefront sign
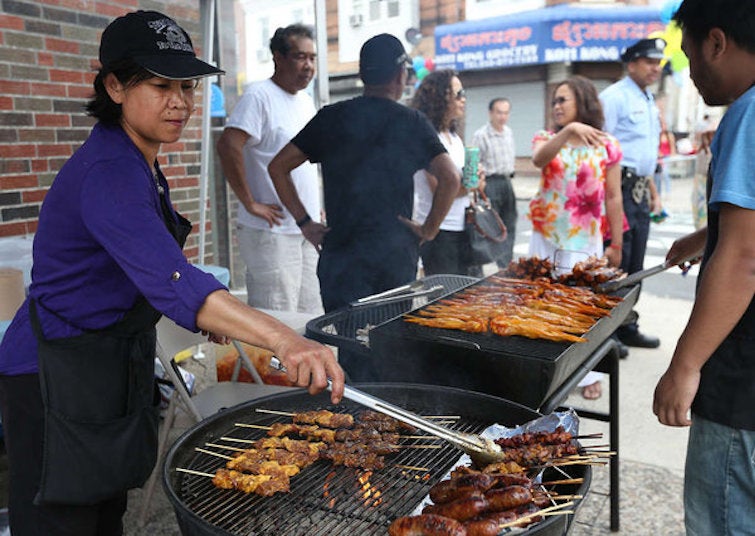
550	35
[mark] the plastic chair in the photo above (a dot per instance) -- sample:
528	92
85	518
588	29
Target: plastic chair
172	339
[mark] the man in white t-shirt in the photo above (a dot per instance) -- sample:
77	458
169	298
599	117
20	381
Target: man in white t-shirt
280	263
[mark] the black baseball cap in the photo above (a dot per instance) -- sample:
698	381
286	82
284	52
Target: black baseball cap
645	48
380	58
153	41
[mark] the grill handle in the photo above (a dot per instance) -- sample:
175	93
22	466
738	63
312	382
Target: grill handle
477	447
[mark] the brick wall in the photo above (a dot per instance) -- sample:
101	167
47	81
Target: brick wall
48	59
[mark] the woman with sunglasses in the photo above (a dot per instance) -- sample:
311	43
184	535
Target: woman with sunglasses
579	199
77	388
441	98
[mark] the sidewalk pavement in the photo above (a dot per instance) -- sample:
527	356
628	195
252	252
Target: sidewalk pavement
651	455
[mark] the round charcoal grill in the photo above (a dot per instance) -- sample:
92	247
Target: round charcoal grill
327	500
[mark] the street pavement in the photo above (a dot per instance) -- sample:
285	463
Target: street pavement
651	455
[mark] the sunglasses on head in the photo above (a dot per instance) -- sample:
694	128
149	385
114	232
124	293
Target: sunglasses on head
559	100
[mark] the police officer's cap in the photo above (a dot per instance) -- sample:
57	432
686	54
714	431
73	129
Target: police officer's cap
644	48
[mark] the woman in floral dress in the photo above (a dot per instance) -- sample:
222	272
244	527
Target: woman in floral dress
579	199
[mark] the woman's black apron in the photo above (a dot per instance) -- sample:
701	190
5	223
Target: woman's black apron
99	395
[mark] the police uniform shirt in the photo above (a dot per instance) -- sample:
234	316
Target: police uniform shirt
632	117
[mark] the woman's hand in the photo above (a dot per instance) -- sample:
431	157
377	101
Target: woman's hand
587	135
481	183
309	364
613	254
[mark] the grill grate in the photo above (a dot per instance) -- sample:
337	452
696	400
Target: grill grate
324	500
346	328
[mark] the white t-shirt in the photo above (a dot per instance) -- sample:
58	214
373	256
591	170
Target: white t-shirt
423	195
272	117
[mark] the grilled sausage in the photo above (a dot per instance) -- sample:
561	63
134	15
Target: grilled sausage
490	524
507	498
426	525
460	510
450	490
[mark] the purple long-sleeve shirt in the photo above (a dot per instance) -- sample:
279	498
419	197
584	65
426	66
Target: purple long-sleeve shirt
100	244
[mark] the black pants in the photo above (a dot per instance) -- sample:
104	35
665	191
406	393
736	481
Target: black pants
635	239
23	427
447	253
503	199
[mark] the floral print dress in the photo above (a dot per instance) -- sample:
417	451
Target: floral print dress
568	212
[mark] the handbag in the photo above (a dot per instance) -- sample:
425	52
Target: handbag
485	230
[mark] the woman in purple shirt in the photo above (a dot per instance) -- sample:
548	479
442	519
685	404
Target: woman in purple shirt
76	364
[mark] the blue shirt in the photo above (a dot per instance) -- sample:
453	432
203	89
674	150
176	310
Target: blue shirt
732	150
632	117
100	244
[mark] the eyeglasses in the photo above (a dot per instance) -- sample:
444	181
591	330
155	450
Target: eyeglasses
559	100
461	94
404	58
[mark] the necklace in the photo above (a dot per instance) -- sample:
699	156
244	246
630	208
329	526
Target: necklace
160	189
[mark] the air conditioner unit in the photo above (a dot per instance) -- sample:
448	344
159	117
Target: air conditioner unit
355	20
263	55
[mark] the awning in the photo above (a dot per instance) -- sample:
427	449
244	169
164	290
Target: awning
549	35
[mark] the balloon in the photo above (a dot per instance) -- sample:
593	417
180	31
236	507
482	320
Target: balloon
418	63
423	72
669	9
430	64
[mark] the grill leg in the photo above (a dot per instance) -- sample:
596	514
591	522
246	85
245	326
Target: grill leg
613	411
609	363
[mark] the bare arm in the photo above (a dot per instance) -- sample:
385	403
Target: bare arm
230	148
614	213
725	291
449	181
545	151
280	167
309	363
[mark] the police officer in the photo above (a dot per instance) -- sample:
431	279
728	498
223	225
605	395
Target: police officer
632	117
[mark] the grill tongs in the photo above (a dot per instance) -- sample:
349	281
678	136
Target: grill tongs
482	451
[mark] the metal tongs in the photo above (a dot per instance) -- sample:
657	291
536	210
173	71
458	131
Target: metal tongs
633	279
482	451
404	292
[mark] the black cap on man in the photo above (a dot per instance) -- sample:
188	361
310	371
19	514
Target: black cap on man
380	59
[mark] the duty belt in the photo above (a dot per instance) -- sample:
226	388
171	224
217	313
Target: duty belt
638	186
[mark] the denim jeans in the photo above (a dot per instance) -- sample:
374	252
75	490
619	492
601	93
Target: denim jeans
719	480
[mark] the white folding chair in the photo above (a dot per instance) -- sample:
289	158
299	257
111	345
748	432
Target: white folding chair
172	339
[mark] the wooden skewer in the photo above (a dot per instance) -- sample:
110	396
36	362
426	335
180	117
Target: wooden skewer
238	439
236	449
566	497
564	481
559	513
289	414
590	447
589	436
535	514
196	473
420	437
258	426
212	453
421	446
412	468
274	412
